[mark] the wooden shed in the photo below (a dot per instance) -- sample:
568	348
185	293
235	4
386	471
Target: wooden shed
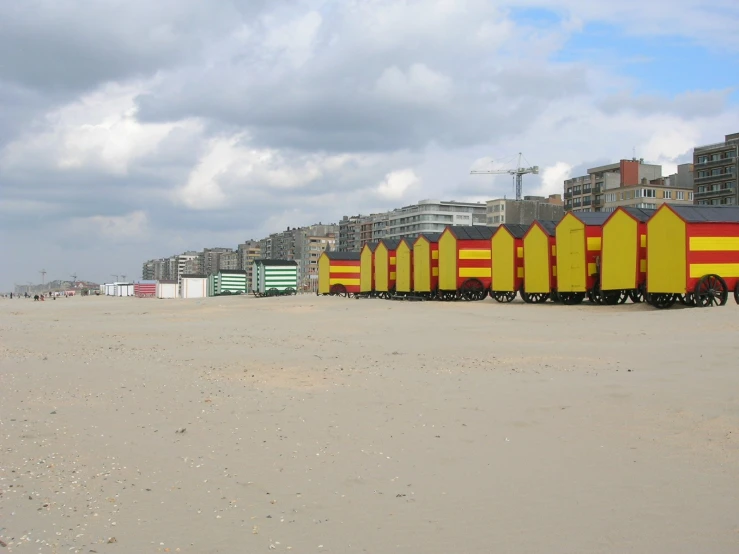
339	273
367	269
693	255
623	258
426	264
507	256
539	262
578	238
231	281
465	262
145	289
274	277
167	289
194	286
385	267
404	267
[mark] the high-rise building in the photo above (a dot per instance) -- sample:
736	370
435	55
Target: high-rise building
715	170
627	183
524	212
210	259
350	232
147	271
229	261
248	252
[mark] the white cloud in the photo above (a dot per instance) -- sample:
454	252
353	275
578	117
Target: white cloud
418	84
119	228
398	184
99	131
552	178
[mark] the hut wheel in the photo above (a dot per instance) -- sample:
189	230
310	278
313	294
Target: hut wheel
472	289
534	297
571	298
710	290
338	290
736	293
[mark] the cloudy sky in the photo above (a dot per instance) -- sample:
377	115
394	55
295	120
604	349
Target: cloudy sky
137	129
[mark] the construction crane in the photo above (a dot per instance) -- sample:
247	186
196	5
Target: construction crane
43	276
74	278
519	172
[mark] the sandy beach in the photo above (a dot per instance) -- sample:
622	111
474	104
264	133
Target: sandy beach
325	425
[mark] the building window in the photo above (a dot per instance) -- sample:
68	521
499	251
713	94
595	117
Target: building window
680	195
702	173
701	189
668	195
716	171
715	157
690	196
702	159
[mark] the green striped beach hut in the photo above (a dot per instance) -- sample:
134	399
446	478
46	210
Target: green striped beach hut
231	281
213	284
274	277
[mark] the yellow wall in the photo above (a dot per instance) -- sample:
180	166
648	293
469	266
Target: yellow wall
570	255
666	253
382	270
422	265
536	261
366	269
403	267
324	272
503	260
447	261
620	252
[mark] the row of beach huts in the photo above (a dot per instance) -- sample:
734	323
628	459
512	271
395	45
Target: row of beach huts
269	278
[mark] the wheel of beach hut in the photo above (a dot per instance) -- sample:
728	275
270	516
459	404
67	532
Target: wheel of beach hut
710	291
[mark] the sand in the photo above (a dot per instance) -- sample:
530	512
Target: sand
327	425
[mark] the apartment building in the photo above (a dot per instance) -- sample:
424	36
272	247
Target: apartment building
351	232
147	270
229	261
309	248
715	170
524	212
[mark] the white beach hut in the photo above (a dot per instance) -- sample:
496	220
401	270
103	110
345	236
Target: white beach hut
194	286
167	289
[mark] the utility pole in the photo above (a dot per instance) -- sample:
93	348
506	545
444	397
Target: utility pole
43	276
116	277
123	278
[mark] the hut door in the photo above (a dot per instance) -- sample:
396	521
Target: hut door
577	258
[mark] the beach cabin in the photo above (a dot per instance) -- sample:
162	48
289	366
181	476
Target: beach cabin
465	263
404	267
194	286
539	262
507	253
578	237
693	255
426	264
167	289
367	269
338	273
385	267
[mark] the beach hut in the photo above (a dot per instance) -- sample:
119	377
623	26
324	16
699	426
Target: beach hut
385	267
578	238
507	253
233	281
339	273
465	263
404	267
693	255
145	289
213	284
426	264
167	289
367	269
274	277
194	286
539	262
124	289
623	258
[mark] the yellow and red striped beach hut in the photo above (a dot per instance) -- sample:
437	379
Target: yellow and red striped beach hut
385	267
578	252
693	255
507	254
404	267
623	258
338	273
465	262
426	264
367	273
539	262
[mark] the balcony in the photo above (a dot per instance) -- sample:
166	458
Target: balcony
587	190
729	191
714	163
568	195
587	202
722	177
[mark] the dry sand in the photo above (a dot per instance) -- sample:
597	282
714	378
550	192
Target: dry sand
328	425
